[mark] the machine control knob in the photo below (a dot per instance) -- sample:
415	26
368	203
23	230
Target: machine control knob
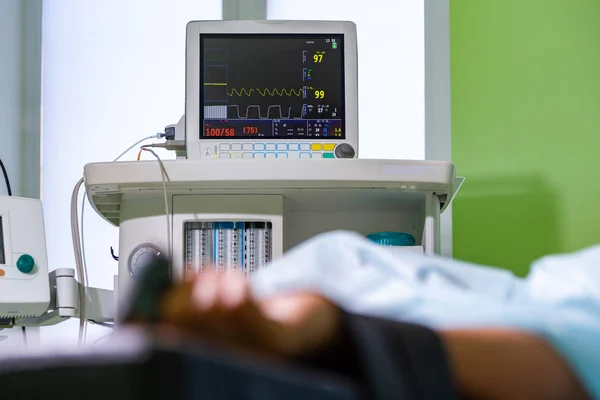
25	264
140	257
344	150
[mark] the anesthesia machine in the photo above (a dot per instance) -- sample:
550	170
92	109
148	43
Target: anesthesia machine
267	156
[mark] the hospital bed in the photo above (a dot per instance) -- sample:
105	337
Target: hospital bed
147	368
135	366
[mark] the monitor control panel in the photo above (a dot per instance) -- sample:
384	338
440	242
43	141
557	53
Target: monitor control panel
247	150
282	90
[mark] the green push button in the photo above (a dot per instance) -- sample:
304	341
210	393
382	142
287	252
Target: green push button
25	264
328	155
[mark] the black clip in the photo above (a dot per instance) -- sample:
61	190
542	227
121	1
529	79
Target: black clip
112	253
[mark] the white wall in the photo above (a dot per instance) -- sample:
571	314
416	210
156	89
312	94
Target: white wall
10	110
20	87
391	69
113	73
10	92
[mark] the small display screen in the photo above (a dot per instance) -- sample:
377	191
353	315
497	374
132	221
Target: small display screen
2	258
272	86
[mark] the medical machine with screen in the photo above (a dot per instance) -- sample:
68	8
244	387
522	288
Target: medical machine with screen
270	158
24	282
271	90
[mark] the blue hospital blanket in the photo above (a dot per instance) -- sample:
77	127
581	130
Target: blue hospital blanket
559	299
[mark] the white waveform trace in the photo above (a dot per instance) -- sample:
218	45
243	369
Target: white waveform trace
277	107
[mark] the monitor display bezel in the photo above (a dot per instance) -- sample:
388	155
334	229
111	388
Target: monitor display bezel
193	75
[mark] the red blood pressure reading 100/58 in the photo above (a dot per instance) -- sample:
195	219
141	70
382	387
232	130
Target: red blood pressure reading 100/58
229	132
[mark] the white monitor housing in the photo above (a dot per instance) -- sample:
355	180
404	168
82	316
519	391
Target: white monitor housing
271	89
245	213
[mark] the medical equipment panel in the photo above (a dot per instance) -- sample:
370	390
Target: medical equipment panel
222	232
271	90
24	281
312	196
226	246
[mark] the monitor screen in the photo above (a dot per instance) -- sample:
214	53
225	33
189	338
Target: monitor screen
267	86
2	258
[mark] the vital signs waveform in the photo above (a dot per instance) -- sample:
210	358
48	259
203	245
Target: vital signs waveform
269	114
266	92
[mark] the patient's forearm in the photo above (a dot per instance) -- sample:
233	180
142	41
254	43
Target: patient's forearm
484	364
508	365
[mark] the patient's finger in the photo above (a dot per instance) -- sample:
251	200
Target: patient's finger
205	292
176	303
207	302
221	308
233	313
232	291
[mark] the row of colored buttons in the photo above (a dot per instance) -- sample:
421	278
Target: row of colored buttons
276	146
276	155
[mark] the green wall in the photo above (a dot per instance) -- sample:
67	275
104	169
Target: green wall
525	128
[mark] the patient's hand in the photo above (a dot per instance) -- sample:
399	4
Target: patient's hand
220	308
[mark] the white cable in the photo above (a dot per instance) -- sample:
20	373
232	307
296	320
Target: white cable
101	338
164	176
84	261
85	197
80	258
157	136
103	324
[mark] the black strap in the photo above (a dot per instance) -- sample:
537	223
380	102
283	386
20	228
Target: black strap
390	360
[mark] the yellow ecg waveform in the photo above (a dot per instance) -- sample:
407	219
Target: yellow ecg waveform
266	92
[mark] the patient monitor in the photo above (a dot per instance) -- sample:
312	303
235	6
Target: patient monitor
271	89
270	137
24	281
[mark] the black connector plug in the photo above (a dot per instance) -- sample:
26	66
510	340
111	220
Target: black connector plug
170	133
